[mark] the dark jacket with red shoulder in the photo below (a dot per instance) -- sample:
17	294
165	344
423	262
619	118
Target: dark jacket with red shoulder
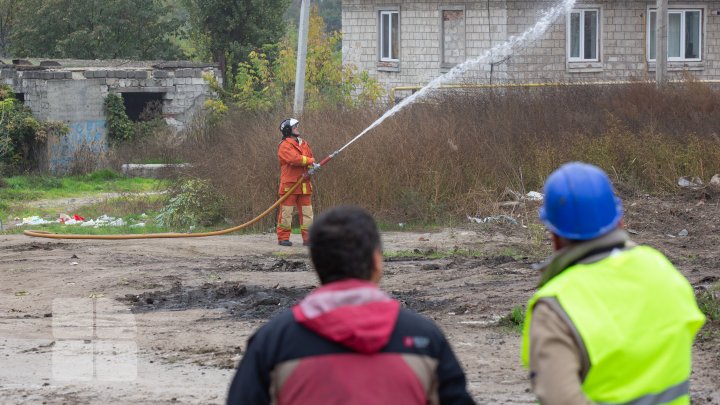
349	343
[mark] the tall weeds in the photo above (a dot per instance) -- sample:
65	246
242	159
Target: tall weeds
453	154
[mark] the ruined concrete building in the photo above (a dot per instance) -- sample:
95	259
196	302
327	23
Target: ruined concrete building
73	92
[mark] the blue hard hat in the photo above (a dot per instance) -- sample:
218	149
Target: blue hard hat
579	202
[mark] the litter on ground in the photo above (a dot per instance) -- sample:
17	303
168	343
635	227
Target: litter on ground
103	220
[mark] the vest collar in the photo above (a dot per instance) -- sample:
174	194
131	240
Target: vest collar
586	252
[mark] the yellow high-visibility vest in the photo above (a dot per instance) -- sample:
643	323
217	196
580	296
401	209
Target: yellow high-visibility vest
637	316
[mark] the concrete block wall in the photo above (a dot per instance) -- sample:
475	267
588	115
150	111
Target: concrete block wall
76	97
623	43
420	38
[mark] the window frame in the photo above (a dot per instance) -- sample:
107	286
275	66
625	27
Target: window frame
598	35
389	11
442	8
682	10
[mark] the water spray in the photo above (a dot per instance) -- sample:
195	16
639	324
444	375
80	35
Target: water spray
503	50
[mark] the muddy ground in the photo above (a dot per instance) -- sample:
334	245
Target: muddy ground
182	309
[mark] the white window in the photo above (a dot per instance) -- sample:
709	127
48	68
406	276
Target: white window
583	39
684	35
390	35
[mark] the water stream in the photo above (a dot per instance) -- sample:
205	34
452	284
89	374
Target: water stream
497	52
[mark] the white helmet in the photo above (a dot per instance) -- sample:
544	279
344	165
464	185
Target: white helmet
287	126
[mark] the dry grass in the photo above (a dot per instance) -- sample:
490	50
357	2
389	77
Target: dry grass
458	153
163	146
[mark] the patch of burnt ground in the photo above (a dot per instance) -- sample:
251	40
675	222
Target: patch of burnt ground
33	246
239	300
255	302
414	300
263	265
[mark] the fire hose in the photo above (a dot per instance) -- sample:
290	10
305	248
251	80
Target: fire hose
306	176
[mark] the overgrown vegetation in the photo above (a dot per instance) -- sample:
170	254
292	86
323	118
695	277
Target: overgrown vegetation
265	80
22	136
514	320
89	29
122	130
709	303
193	203
18	192
119	126
458	153
226	31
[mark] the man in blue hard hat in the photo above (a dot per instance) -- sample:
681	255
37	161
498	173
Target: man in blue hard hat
612	322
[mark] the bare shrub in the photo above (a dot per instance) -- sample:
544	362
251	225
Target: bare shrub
459	152
163	146
86	158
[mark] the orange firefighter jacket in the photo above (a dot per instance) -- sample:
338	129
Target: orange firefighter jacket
295	157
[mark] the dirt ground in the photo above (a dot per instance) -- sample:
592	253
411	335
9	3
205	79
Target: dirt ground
182	309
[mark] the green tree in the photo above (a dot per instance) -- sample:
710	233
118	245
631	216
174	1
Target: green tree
267	78
228	30
329	10
8	13
95	29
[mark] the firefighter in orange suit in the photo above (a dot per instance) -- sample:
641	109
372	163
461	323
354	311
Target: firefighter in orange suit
296	158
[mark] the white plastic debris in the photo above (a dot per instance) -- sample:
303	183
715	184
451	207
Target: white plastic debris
117	222
715	181
690	182
534	196
684	232
103	220
138	225
35	220
498	218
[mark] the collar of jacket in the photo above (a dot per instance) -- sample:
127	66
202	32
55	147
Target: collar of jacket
296	142
587	252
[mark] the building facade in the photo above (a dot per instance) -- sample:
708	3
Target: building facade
73	92
409	42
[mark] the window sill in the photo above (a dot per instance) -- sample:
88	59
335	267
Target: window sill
584	67
383	66
679	66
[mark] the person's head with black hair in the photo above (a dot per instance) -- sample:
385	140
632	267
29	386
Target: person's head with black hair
345	243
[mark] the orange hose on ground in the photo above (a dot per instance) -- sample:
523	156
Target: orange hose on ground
45	234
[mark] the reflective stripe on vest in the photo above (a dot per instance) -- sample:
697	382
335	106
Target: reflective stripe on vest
664	397
635	350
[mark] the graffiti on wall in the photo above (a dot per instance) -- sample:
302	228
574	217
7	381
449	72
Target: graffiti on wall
84	143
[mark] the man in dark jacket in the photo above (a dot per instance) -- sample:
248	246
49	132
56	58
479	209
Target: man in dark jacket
348	342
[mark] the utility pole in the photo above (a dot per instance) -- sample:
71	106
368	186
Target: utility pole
301	58
661	41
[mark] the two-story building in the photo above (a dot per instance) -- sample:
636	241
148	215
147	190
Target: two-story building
411	42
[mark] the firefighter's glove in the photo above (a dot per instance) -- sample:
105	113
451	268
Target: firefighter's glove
313	168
